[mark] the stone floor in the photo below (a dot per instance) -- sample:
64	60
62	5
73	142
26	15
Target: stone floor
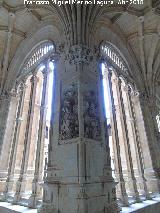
148	206
9	208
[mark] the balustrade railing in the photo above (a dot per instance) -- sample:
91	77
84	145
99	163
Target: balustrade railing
38	54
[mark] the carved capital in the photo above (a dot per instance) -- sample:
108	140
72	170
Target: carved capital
33	78
126	88
8	94
149	100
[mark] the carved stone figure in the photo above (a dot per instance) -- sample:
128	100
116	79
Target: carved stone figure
91	116
69	125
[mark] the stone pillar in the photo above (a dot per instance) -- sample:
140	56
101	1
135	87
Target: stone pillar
36	191
121	190
20	186
12	159
131	175
138	149
149	150
77	179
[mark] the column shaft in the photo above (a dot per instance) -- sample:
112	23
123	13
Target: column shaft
22	178
116	145
126	141
138	147
12	159
144	120
40	143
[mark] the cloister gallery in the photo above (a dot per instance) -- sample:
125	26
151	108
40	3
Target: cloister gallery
80	106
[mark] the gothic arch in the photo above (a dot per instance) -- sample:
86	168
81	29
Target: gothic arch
36	56
112	55
43	33
109	33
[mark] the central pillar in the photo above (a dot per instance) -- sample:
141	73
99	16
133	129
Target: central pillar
79	178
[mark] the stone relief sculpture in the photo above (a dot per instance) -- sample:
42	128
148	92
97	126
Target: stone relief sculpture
69	125
91	116
79	54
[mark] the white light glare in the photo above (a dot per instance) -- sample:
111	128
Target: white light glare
41	68
51	65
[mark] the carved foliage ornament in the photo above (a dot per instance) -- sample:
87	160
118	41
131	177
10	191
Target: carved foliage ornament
6	95
69	125
79	54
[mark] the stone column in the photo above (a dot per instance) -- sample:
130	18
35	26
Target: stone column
8	107
77	179
7	48
36	191
121	192
12	159
149	150
131	175
137	144
20	186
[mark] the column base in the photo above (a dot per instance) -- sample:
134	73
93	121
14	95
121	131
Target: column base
124	201
121	193
35	196
47	207
153	182
16	198
80	198
2	198
32	202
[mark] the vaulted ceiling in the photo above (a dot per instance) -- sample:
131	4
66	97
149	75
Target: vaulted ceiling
137	25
